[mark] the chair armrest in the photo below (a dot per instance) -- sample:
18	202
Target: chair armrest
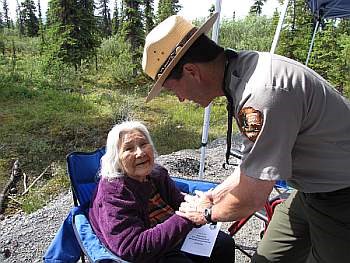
89	242
190	185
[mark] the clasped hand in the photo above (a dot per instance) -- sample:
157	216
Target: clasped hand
194	205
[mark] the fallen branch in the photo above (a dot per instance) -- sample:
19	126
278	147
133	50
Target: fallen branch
14	177
16	201
24	181
36	179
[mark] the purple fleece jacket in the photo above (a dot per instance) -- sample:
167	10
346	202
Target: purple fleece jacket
119	217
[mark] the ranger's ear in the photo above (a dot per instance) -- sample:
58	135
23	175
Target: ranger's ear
192	70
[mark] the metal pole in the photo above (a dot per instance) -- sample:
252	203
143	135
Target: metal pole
205	130
279	27
312	42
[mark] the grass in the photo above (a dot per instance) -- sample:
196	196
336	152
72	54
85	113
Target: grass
176	126
47	110
44	116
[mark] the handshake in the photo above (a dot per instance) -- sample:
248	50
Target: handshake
197	208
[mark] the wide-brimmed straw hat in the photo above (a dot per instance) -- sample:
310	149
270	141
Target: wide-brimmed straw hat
166	44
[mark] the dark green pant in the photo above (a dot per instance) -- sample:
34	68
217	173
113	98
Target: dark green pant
308	228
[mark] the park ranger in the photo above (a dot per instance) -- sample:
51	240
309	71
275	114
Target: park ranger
296	127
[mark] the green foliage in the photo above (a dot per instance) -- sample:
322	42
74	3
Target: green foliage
104	19
149	15
132	27
116	19
1	22
6	18
325	56
297	32
251	33
344	61
41	194
133	32
29	19
256	8
115	59
167	8
176	126
330	53
59	97
72	34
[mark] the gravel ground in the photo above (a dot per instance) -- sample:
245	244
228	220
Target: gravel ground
25	238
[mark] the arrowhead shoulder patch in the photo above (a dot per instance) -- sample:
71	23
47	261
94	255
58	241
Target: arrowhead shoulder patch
250	122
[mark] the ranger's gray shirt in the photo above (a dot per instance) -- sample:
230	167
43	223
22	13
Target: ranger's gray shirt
300	125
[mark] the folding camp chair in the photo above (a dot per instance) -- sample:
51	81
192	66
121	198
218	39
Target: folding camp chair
82	170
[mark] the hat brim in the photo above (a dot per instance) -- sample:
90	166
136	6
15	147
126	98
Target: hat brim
158	85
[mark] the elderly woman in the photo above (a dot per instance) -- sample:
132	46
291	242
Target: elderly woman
133	208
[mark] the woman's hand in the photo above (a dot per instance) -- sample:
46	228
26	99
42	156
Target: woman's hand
193	207
197	218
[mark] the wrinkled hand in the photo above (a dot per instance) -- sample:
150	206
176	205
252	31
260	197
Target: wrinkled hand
193	207
197	218
200	201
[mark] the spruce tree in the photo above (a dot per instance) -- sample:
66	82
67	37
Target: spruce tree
344	57
149	16
40	18
30	21
6	18
2	42
132	27
1	22
167	8
256	8
132	30
116	18
296	35
20	20
105	23
329	56
41	25
86	31
72	31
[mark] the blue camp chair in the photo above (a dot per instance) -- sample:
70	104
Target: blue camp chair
82	170
76	237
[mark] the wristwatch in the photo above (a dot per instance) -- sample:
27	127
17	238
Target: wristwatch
207	215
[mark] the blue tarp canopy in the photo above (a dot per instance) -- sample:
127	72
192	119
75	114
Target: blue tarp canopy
330	8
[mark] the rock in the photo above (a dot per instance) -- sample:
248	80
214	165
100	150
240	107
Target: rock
6	252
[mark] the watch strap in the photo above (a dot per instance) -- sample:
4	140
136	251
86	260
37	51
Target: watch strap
207	215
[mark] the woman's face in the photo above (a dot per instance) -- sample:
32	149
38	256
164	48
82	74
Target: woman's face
136	155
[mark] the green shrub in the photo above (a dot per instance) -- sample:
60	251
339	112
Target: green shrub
115	59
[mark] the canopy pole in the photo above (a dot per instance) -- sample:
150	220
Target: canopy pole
312	41
205	130
279	26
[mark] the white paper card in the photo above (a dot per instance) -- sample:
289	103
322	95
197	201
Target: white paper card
200	241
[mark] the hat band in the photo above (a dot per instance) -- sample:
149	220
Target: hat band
174	52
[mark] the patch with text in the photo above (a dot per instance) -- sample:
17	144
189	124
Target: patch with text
250	122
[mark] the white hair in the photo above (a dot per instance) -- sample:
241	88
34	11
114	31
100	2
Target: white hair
110	163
